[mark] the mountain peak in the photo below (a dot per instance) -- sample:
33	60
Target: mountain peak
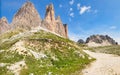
4	25
50	13
54	24
28	3
100	40
58	19
4	19
27	17
50	7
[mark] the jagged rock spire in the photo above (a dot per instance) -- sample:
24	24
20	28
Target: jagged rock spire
27	17
50	14
54	24
58	19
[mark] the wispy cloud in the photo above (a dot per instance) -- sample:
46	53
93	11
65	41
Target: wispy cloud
71	2
71	14
113	27
71	9
84	9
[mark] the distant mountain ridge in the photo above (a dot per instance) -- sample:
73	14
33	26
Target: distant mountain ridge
28	17
100	40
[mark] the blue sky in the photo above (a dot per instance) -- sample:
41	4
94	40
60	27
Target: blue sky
84	17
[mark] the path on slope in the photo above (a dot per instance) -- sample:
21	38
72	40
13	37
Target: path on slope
105	64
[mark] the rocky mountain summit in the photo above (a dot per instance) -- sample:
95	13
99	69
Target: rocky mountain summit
27	17
4	26
100	40
54	24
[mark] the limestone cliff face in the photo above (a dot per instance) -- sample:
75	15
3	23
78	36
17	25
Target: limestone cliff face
54	24
60	27
4	26
50	14
100	40
26	17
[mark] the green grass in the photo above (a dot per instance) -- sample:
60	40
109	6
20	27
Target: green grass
11	33
48	35
3	71
8	43
9	58
66	52
66	64
115	49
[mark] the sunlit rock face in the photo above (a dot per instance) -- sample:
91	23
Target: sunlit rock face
54	24
4	26
26	17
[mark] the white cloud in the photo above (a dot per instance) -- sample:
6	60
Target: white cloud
84	9
72	14
71	9
60	6
78	6
113	27
71	2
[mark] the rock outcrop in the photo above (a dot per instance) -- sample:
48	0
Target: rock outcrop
50	17
4	26
26	17
100	40
54	24
81	41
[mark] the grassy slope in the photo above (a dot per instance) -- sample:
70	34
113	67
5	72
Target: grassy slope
6	36
63	56
115	49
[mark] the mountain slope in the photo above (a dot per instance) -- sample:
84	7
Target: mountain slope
40	52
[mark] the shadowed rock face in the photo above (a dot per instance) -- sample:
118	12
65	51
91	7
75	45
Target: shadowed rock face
26	17
102	40
4	26
81	41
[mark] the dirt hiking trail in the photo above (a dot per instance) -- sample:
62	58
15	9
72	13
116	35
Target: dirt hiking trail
105	64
